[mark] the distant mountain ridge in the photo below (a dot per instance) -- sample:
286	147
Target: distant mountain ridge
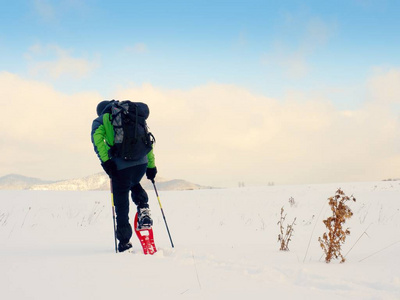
20	182
95	182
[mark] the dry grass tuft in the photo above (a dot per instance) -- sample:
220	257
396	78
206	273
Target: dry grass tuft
285	235
332	240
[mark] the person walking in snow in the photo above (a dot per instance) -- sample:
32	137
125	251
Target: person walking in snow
125	175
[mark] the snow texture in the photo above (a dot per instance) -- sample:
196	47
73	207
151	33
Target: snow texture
59	245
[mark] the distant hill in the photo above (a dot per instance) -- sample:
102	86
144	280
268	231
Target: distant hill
19	182
172	185
96	182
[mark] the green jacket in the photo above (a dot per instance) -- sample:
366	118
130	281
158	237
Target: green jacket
103	139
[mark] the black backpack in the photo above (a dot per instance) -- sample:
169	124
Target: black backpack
132	140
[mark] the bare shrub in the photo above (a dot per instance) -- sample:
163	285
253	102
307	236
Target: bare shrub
285	235
332	241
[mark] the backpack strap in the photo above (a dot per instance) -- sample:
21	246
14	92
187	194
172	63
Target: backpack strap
136	119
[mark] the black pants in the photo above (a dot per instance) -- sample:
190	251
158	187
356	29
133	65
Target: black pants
125	181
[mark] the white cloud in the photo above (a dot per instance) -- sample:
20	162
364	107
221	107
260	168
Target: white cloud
212	134
317	34
224	133
44	9
294	60
51	61
44	133
384	86
293	64
52	12
138	48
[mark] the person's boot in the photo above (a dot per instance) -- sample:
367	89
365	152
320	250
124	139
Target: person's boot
124	246
144	218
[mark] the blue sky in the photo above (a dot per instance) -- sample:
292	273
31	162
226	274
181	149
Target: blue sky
335	52
182	44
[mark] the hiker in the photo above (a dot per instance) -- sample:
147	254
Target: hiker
125	174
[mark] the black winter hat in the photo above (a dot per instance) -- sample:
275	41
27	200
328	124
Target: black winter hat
101	106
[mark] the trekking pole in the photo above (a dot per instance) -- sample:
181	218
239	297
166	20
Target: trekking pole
113	213
162	211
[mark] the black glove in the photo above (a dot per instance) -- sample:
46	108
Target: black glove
109	167
151	173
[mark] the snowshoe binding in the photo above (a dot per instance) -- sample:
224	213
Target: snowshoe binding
144	219
145	236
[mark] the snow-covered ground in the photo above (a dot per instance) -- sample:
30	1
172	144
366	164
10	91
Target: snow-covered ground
59	245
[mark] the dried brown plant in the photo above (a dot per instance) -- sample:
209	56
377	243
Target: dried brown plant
332	240
285	235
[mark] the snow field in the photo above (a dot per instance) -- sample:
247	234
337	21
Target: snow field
59	245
